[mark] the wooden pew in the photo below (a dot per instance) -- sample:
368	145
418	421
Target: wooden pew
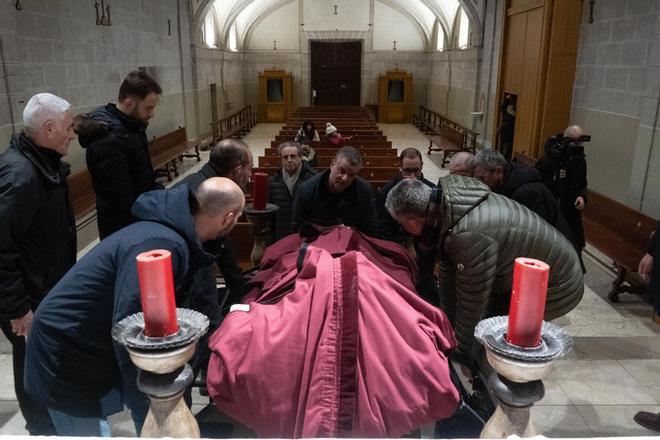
355	143
449	141
346	132
619	232
444	133
235	125
330	152
367	173
81	193
167	150
281	138
325	161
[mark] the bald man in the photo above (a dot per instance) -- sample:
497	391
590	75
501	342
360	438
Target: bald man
564	172
72	365
460	163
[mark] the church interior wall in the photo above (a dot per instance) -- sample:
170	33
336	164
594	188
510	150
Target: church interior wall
615	99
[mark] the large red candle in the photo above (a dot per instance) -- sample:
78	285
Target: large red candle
259	190
157	293
530	287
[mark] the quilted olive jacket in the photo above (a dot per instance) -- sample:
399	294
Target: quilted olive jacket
482	233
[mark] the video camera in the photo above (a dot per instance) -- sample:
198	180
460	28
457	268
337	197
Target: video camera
562	148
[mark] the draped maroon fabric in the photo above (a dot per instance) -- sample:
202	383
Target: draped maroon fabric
336	343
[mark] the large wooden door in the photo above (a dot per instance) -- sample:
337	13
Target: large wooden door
336	69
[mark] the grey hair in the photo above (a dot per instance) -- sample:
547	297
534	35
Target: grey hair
573	131
288	144
488	159
409	198
42	107
352	155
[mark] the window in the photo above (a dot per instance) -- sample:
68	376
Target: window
208	30
441	39
463	31
231	40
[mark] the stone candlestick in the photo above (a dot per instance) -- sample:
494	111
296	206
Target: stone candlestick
163	371
517	380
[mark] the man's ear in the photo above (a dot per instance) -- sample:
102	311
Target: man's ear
499	170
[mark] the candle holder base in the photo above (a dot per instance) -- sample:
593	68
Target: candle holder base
261	220
518	373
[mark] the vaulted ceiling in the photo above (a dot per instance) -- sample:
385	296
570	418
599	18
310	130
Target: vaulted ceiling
244	14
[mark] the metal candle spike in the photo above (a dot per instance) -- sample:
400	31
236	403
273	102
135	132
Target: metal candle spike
517	380
163	371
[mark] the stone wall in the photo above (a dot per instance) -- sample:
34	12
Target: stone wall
615	99
56	46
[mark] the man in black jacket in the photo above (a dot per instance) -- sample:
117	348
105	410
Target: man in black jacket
337	196
72	365
37	231
283	186
519	183
117	151
232	159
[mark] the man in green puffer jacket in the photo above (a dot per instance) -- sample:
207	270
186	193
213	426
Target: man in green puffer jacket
479	234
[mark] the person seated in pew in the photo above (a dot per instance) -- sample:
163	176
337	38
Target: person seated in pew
522	184
459	164
336	196
283	186
232	159
334	136
410	167
117	152
478	235
305	136
72	365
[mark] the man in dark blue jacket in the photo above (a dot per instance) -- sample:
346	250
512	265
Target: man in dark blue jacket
72	365
37	230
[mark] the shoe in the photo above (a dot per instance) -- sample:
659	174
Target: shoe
648	420
613	296
656	318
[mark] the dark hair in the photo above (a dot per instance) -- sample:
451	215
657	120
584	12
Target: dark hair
310	132
228	153
138	85
410	153
351	154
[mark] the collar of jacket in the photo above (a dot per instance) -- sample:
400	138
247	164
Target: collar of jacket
131	124
47	161
458	196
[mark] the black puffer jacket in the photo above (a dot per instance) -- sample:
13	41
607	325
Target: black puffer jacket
37	227
278	193
525	186
481	235
118	160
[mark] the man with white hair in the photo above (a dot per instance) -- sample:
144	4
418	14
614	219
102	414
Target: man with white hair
37	232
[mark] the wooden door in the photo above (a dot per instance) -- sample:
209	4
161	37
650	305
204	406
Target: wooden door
336	71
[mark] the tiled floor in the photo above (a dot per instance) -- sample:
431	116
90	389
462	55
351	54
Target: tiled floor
612	372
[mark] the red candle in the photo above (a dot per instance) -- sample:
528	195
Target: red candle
259	190
157	293
530	287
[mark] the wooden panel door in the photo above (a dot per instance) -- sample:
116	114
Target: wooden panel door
336	71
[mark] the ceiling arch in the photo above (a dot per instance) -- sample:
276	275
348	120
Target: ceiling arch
246	14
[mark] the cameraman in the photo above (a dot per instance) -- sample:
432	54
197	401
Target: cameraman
564	171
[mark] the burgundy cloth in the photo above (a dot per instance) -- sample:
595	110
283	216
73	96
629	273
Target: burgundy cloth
343	347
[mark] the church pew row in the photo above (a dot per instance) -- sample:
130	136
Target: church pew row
282	138
331	151
325	161
347	132
320	122
367	173
355	143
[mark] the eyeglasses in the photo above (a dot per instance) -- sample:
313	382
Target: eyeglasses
483	176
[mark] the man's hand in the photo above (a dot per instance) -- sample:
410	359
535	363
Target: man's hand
22	325
645	267
579	203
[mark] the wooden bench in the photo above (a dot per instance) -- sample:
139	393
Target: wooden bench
167	150
357	143
619	232
367	173
235	125
331	152
346	132
81	194
281	138
448	140
325	161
